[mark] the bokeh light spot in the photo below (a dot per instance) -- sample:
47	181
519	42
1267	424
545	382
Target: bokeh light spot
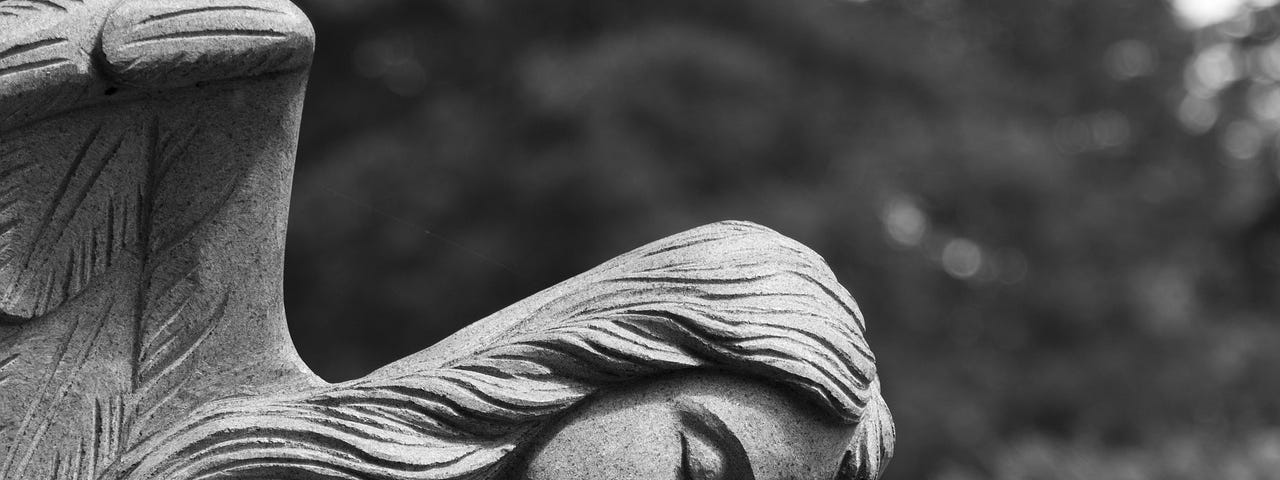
1130	58
1213	69
961	258
1197	114
1242	140
904	222
1110	129
1202	13
1264	102
1268	61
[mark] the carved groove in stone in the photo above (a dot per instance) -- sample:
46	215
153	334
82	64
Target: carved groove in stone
47	264
209	9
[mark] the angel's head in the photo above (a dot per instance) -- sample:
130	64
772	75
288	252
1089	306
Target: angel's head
727	351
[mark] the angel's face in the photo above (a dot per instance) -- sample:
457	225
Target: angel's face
693	427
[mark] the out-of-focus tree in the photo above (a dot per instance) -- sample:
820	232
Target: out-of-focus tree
1058	216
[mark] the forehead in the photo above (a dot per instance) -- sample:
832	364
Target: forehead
635	432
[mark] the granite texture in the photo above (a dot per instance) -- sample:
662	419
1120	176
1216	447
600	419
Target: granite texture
146	154
699	425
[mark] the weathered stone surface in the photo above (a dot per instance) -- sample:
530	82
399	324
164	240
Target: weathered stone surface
146	151
697	425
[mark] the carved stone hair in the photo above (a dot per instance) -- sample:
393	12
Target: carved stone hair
734	297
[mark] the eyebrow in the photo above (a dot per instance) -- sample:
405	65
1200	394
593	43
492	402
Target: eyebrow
701	423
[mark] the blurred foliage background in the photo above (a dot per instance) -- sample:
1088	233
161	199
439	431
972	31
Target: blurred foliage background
1061	217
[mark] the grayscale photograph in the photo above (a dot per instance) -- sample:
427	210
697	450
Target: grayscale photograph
639	239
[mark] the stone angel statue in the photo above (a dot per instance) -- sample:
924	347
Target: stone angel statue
146	152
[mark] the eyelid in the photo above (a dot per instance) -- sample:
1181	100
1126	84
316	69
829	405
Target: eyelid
699	461
704	427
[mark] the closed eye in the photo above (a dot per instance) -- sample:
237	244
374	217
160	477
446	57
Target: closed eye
708	448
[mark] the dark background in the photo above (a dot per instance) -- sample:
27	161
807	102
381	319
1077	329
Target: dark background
1060	217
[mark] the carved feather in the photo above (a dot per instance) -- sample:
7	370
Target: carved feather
59	196
158	43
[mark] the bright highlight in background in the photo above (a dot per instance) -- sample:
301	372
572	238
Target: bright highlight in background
1202	13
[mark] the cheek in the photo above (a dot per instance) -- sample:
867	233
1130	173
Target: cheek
631	443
